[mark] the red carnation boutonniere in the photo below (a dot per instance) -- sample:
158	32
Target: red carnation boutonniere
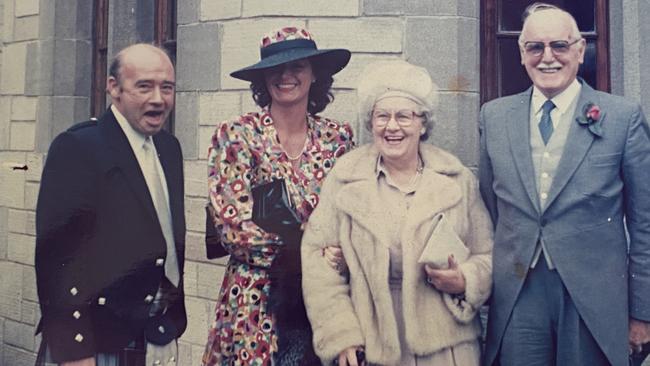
591	119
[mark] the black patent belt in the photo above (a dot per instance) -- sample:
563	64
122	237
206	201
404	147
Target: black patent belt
166	296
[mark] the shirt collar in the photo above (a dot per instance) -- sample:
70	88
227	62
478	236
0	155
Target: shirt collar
562	101
135	137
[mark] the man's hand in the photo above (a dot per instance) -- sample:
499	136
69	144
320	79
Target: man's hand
334	256
90	361
639	334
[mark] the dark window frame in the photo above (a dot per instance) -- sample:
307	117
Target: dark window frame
490	34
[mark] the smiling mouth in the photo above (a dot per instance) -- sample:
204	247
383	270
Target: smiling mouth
393	140
549	70
286	86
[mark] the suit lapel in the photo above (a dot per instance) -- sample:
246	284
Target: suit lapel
576	146
519	136
124	159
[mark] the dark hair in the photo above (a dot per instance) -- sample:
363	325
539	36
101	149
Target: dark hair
320	94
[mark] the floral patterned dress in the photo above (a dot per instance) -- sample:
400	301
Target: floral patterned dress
246	153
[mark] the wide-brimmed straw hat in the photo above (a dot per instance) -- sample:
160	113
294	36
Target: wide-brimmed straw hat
289	44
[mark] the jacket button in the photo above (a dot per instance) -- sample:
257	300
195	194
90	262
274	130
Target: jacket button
74	291
79	338
161	329
160	262
101	301
148	299
76	314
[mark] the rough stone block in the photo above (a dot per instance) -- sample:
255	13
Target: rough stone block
248	103
18	221
31	195
209	280
35	167
185	354
18	357
383	7
39	80
12	182
370	34
26	7
467	8
199	314
19	335
217	107
21	249
189	11
23	108
2	341
29	284
10	290
31	313
22	136
14	57
240	42
190	278
5	120
196	184
26	28
344	108
456	126
195	214
218	10
4	231
195	246
198	61
205	141
453	41
8	18
187	121
349	77
337	8
65	112
65	66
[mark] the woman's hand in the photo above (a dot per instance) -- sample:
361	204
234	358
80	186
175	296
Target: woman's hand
334	257
449	280
348	357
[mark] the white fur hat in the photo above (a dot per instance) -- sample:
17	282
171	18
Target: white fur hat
395	78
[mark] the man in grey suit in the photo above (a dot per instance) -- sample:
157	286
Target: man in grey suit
564	170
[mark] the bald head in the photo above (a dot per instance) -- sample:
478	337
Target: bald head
138	50
542	12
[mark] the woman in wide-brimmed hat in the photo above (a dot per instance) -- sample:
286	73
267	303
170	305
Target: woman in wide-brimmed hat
284	140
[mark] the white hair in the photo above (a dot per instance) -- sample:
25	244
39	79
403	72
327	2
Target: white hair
540	7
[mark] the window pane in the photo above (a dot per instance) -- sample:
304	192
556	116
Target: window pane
510	12
513	74
514	78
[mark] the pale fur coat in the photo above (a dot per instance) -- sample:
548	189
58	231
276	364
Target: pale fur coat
358	310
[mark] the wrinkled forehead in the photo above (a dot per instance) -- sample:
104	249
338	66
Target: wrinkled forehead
549	24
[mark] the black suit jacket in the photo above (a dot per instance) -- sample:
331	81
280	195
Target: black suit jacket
100	249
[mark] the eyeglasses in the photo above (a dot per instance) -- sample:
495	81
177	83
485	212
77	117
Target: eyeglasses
403	117
558	48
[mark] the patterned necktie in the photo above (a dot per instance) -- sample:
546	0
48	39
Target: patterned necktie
154	181
546	124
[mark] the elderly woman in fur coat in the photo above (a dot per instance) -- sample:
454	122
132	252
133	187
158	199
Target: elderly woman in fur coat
415	239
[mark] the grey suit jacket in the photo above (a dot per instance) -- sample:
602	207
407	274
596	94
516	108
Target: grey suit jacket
599	181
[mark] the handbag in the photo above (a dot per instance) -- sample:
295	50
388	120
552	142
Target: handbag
213	246
442	243
273	210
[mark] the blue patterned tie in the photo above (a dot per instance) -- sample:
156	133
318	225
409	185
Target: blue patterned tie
546	124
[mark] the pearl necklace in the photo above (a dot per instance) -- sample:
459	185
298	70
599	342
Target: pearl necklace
299	156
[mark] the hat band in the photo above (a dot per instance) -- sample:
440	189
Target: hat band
276	48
